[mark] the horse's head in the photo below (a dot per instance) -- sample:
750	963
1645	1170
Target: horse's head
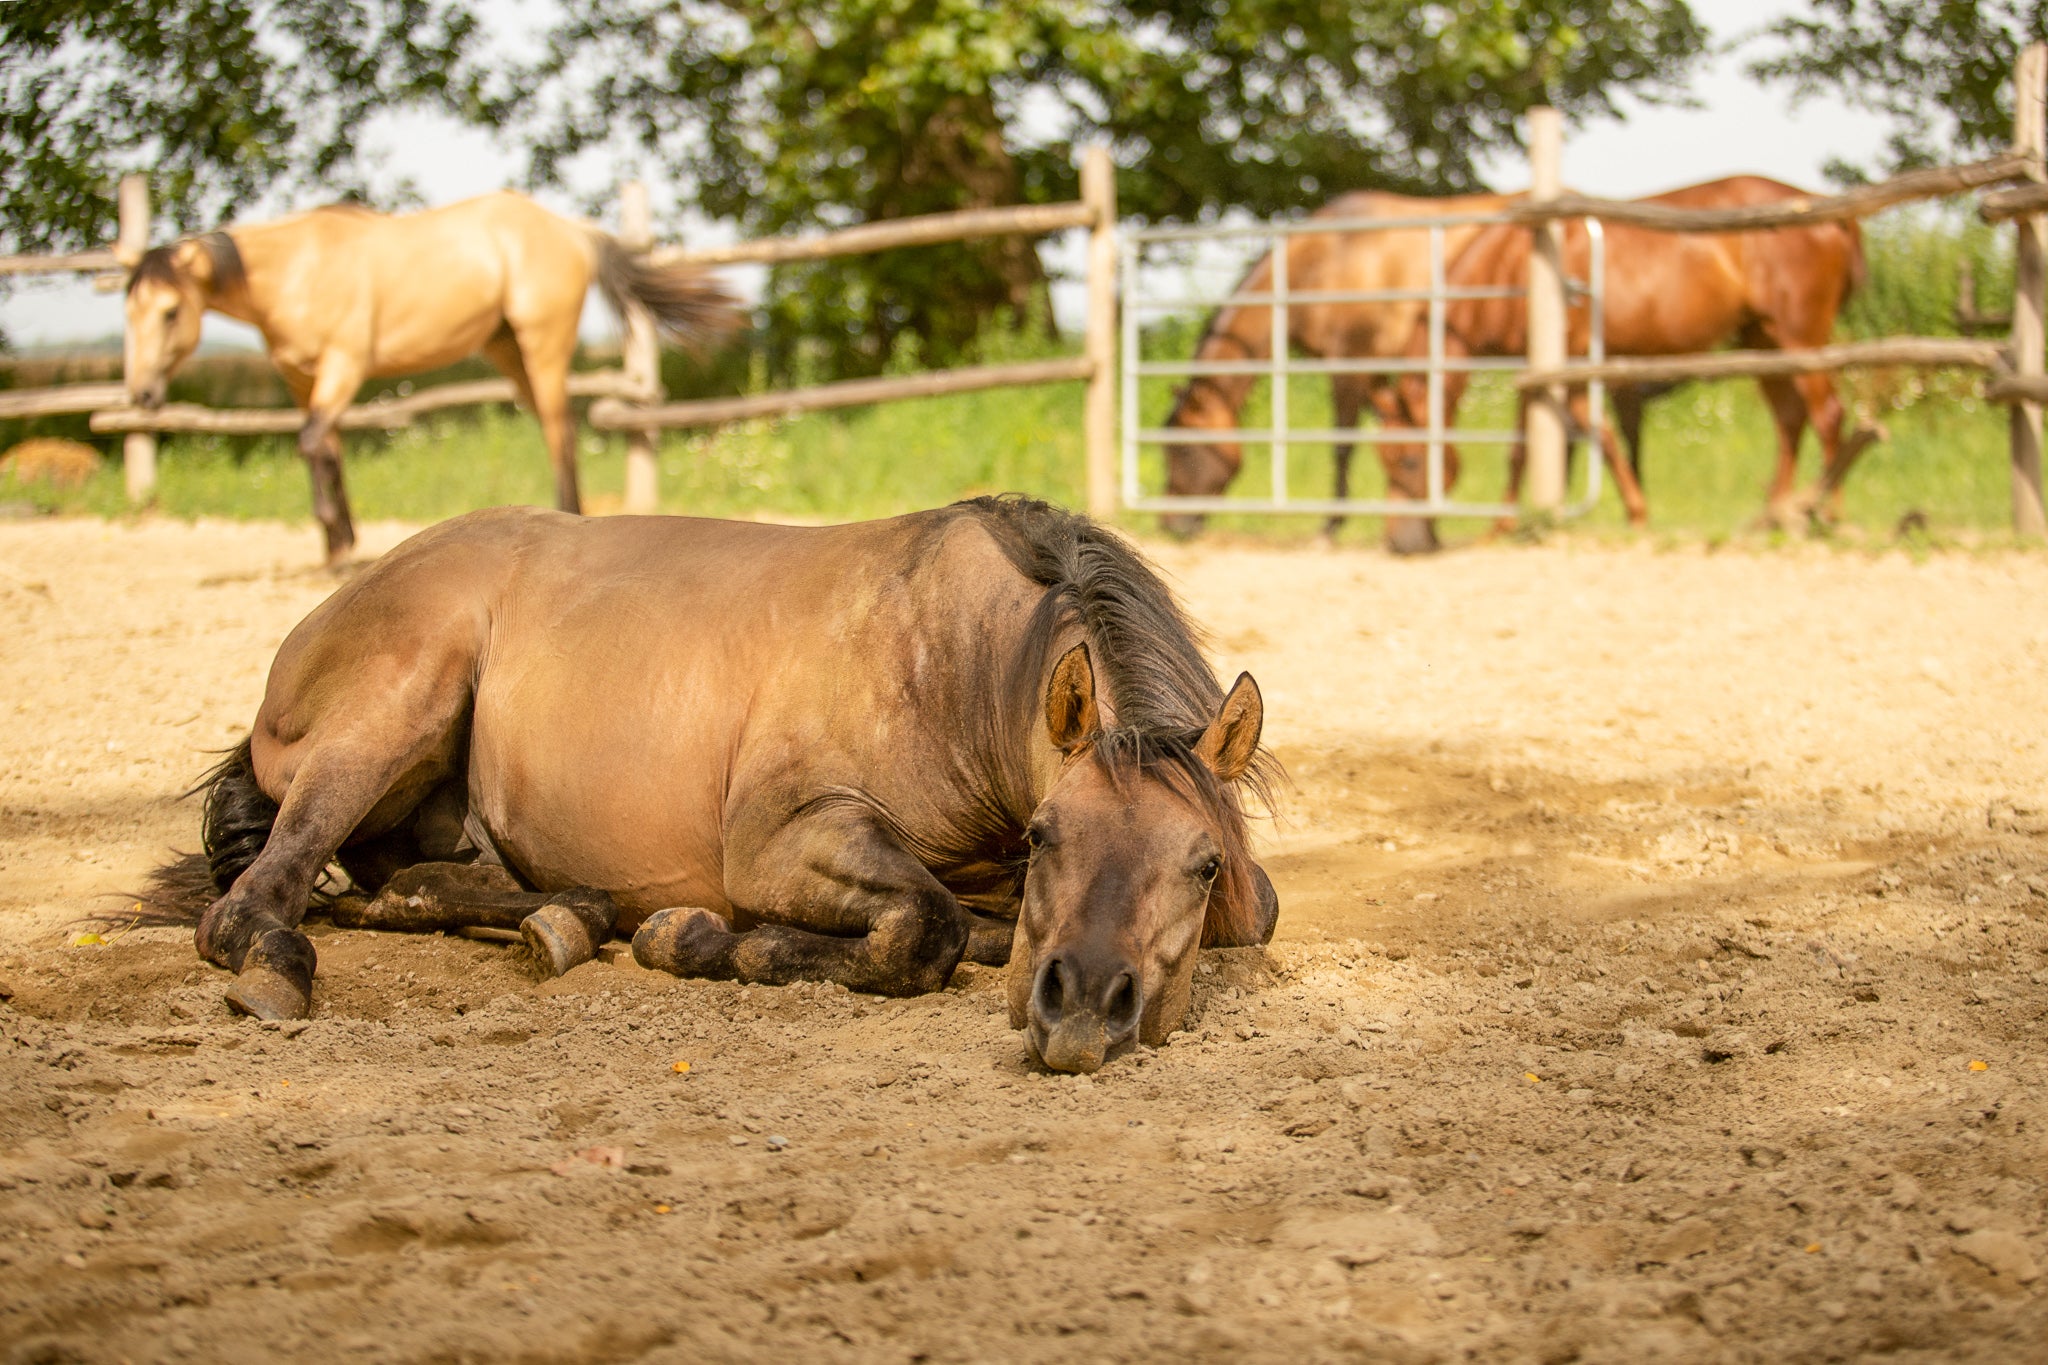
167	297
1138	856
1200	468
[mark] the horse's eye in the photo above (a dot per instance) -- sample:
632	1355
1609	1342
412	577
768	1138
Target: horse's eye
1034	837
171	313
1207	872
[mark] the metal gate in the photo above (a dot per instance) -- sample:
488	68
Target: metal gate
1280	435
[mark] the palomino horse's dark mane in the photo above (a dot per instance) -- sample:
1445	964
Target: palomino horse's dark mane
1148	661
157	263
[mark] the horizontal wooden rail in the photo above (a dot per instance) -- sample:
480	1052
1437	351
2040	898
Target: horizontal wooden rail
1999	205
384	414
2006	387
886	235
1931	351
78	261
61	400
847	393
1931	183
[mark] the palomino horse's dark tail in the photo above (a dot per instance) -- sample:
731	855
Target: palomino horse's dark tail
235	824
685	303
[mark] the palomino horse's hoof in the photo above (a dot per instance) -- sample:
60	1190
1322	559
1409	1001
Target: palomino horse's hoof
262	993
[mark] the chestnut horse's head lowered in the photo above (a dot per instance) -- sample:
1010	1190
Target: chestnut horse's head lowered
168	295
1138	856
1201	468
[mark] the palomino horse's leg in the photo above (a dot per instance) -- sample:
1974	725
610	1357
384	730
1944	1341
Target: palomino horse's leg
562	930
545	353
334	387
841	901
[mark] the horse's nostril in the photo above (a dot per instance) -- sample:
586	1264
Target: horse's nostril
1052	990
1122	1011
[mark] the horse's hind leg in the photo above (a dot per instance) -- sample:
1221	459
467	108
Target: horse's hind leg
543	354
365	763
842	901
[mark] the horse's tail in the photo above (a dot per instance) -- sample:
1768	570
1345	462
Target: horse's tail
234	826
684	302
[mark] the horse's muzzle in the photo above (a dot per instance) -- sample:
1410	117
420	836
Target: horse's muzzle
1082	1009
149	397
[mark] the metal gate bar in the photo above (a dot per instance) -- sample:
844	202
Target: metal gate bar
1279	366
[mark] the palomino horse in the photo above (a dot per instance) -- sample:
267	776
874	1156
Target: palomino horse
851	753
342	295
1388	259
1670	293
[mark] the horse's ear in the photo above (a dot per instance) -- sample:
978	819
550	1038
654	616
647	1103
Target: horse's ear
1070	712
194	262
1232	738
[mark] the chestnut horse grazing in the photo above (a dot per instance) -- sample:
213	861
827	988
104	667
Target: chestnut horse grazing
1672	293
1388	259
852	753
342	295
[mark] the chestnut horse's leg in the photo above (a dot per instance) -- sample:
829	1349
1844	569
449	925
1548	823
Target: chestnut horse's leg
1347	400
1624	475
1824	410
1788	411
839	900
334	387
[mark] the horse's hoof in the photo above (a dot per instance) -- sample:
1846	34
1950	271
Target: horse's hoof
558	938
688	941
262	993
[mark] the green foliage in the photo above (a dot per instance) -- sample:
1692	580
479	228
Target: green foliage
792	115
220	101
1940	70
1915	259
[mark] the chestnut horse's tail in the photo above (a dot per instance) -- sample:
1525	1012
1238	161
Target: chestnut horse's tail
235	825
686	303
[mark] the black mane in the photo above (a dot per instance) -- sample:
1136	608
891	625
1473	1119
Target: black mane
158	264
1148	661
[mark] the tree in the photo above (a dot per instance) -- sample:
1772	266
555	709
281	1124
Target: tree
1941	70
788	114
220	101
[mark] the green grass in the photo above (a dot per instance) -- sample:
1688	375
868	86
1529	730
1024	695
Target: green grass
1711	449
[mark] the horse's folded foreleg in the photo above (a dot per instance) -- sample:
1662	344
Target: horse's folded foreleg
841	901
563	930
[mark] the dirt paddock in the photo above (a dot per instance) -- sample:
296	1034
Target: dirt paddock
1662	974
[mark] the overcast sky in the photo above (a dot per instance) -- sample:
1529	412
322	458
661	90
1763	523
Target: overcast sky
1740	126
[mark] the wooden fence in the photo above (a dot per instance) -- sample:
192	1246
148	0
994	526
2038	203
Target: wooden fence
2015	370
630	398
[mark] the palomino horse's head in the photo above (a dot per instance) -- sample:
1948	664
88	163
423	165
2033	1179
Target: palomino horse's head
1138	856
167	297
1205	468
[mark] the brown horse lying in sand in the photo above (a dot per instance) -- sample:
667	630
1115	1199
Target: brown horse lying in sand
1389	259
342	295
1671	293
852	753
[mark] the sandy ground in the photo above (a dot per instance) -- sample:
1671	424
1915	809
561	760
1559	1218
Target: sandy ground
1662	975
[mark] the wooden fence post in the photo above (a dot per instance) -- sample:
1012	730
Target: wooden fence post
642	356
138	448
1098	192
2030	272
1544	429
